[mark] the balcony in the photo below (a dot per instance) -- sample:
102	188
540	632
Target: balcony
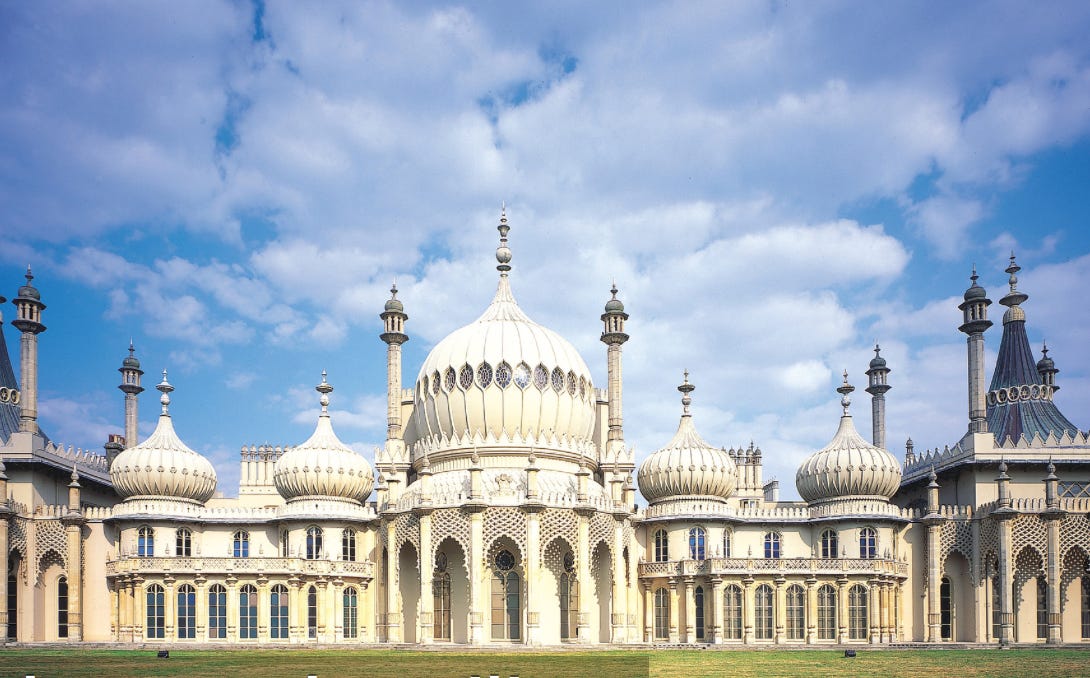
741	567
220	567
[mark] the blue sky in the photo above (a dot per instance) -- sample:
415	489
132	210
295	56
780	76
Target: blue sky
773	186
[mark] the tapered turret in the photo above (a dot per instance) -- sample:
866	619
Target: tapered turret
877	378
975	322
28	320
613	336
130	386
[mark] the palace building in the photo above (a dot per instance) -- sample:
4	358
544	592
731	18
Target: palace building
503	509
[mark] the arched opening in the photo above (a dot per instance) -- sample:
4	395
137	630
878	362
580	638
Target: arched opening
62	607
187	612
698	612
408	580
348	545
946	612
601	600
957	608
240	544
1028	568
826	613
454	623
868	543
183	542
441	603
278	612
506	607
662	614
772	545
1072	610
763	612
795	610
350	607
312	613
662	546
697	543
857	612
247	612
315	542
217	612
559	593
155	621
732	612
829	544
14	561
145	542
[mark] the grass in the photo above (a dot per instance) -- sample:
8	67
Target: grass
273	663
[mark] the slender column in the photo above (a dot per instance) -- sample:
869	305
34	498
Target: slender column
233	609
170	608
393	610
72	529
934	580
533	569
264	602
1006	585
335	606
582	562
690	610
1055	616
811	611
139	608
648	613
323	610
476	573
874	614
780	610
427	569
842	610
747	610
28	416
713	610
619	596
674	612
4	513
201	608
975	316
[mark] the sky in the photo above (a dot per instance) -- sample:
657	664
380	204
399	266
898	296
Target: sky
774	186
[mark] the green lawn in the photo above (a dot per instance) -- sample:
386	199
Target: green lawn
47	663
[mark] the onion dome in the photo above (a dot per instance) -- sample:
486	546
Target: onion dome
1045	364
849	466
131	361
393	304
687	467
29	291
877	362
323	466
614	305
503	377
975	291
163	466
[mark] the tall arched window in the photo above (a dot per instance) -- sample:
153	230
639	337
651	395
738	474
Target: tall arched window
183	542
247	612
1042	609
829	545
351	612
569	599
868	543
662	614
732	612
696	543
314	543
241	544
997	615
312	612
278	612
187	612
826	613
155	625
284	542
857	612
946	613
217	612
795	613
62	607
662	546
726	543
348	545
506	615
440	589
772	545
763	614
13	598
145	542
698	607
1085	607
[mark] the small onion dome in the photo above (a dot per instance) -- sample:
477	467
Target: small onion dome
162	465
877	362
28	291
687	466
323	466
393	304
1045	364
975	291
614	305
848	466
131	361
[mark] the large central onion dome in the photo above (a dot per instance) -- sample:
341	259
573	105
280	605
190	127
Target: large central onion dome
849	466
503	378
323	466
687	467
163	466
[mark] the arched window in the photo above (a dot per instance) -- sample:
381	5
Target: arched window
795	613
857	612
62	607
772	545
348	545
278	612
440	590
505	598
13	598
241	544
217	612
662	614
826	613
726	543
312	612
1085	607
1042	609
868	543
732	612
155	622
946	614
696	543
314	543
247	612
187	612
698	606
569	599
763	616
284	541
145	542
662	546
829	545
997	615
351	612
183	542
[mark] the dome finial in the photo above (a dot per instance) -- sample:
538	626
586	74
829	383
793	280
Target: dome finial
503	252
325	388
165	388
29	275
845	391
686	388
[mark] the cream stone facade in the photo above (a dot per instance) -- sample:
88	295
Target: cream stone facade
502	509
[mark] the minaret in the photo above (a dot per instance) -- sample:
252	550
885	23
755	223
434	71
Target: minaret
877	378
393	326
1046	367
130	386
613	336
28	320
974	322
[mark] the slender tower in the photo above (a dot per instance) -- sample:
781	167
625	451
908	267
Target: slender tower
130	386
878	385
1046	367
28	320
393	326
974	322
613	336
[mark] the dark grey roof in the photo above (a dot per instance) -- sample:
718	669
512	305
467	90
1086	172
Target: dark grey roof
9	412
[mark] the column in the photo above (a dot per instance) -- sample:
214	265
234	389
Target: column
874	613
368	632
264	601
476	562
1055	616
619	596
582	563
690	610
842	610
393	609
427	570
1006	585
713	611
533	569
170	608
233	608
674	611
887	612
934	580
747	610
335	605
648	613
322	630
811	610
201	608
4	513
139	608
780	610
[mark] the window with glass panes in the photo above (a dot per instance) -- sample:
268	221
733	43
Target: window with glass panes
763	613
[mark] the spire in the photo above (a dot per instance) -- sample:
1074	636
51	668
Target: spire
503	252
1014	298
325	388
686	388
845	391
165	388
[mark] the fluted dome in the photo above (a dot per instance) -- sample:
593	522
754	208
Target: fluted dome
503	376
323	466
848	466
163	466
687	466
